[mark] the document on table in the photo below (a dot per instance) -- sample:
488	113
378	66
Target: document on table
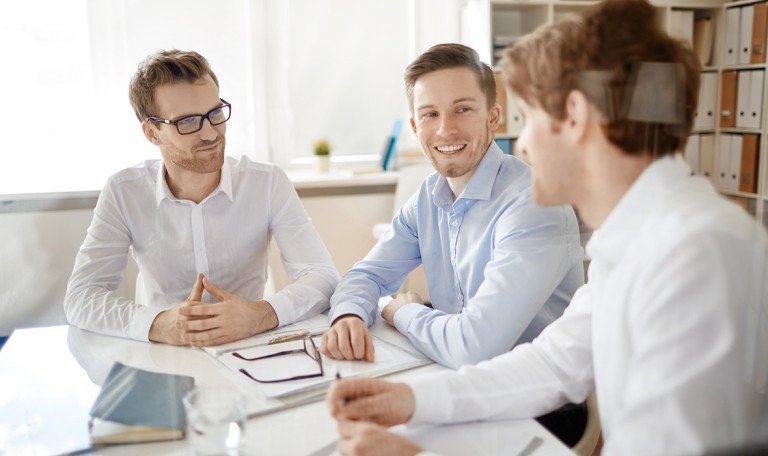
315	325
389	359
393	353
481	437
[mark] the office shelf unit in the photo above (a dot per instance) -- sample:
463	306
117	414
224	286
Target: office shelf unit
490	25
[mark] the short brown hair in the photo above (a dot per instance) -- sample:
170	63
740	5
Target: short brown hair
164	67
610	37
451	55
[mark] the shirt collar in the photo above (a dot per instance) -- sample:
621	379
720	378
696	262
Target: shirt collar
480	185
645	197
162	191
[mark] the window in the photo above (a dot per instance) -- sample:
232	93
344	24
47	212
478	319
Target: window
294	71
337	75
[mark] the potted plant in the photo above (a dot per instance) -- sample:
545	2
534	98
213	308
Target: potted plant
322	156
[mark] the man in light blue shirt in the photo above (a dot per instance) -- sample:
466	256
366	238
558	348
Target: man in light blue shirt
498	267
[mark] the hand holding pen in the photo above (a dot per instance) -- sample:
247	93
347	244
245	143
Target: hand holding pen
370	399
364	408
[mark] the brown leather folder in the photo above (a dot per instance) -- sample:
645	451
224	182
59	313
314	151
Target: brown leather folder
728	99
759	23
501	99
749	168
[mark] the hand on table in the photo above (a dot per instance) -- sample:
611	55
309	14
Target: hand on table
203	324
362	407
371	399
358	438
409	297
168	326
349	339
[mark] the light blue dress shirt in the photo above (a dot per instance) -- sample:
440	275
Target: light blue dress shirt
499	268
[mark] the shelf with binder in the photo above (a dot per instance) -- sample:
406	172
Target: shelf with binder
745	33
510	21
511	122
737	163
700	154
750	196
742	103
704	118
731	41
561	10
696	26
748	204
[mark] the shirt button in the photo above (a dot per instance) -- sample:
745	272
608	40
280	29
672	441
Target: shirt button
455	223
459	297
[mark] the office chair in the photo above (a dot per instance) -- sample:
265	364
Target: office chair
588	441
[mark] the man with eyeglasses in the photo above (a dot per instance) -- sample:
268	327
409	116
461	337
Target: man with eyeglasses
198	225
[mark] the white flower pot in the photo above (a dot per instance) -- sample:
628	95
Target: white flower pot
322	163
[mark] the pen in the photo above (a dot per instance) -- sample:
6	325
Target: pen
294	336
344	400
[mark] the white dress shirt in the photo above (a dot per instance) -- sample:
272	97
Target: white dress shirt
671	329
499	268
226	237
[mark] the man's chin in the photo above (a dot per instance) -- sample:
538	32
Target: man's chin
212	165
542	199
451	172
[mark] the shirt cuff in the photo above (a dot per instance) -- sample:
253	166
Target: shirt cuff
348	308
281	304
406	314
432	398
142	321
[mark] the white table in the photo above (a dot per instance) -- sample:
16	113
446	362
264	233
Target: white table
50	377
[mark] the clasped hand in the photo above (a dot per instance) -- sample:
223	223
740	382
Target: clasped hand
197	323
364	408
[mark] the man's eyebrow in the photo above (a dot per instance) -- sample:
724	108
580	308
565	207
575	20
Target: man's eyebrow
464	99
454	102
184	116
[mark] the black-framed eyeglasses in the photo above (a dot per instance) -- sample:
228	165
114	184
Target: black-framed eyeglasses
193	124
309	348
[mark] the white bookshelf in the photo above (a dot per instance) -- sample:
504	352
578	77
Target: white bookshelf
487	25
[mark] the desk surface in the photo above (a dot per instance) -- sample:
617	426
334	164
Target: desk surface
51	376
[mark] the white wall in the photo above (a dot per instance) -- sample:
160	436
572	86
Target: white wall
38	252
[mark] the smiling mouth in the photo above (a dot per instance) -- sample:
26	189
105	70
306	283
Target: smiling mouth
452	149
208	147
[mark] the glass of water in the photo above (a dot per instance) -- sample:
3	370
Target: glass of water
215	420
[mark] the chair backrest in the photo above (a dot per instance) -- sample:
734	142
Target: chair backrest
586	445
409	181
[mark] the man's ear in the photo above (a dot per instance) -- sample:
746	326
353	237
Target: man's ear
150	133
578	115
413	125
494	117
